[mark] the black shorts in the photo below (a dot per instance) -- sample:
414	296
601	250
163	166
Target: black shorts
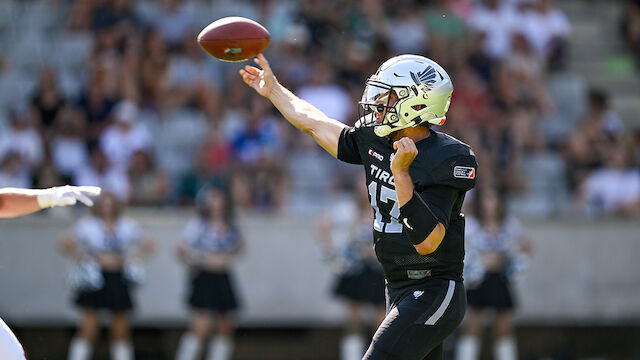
418	322
114	295
494	292
212	291
365	285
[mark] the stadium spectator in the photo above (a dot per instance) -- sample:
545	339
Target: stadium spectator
13	171
189	70
22	137
47	99
406	32
209	246
630	28
153	70
256	145
614	188
548	30
497	250
495	21
173	19
322	92
444	23
98	172
149	184
126	136
117	13
67	142
108	249
80	17
588	146
96	107
201	176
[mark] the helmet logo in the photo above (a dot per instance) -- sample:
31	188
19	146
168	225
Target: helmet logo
426	77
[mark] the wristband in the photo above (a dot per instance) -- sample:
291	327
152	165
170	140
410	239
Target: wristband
418	219
45	198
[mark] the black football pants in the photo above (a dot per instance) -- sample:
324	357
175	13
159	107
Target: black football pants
416	326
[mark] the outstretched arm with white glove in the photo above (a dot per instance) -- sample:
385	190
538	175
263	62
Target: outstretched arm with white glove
17	202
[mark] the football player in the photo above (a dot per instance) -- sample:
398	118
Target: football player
16	202
417	179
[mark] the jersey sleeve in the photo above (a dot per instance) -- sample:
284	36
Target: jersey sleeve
348	150
440	199
458	172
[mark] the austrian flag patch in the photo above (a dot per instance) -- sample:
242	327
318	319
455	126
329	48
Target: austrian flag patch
464	172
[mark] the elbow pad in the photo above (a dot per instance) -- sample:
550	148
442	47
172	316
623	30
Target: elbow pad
418	219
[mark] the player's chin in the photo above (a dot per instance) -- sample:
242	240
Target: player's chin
394	136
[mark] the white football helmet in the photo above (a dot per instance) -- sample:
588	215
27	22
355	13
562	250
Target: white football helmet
423	90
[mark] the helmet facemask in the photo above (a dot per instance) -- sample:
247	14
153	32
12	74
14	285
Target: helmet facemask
404	94
378	105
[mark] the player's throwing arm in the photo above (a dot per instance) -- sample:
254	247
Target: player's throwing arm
301	114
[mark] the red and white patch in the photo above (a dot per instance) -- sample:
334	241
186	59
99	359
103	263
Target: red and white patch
376	155
464	172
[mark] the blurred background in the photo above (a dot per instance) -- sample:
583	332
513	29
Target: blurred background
117	93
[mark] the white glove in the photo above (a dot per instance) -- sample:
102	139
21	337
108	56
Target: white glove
67	195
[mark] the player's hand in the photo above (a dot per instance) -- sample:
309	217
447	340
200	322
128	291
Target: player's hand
260	79
406	152
67	195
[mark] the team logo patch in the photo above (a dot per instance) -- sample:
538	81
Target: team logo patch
376	155
464	172
427	76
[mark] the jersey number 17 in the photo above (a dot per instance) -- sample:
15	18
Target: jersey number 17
388	196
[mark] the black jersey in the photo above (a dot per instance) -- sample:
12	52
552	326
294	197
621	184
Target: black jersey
443	171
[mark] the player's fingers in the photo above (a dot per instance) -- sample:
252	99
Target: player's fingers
252	70
84	199
411	146
244	74
400	145
90	190
66	200
247	78
264	64
262	61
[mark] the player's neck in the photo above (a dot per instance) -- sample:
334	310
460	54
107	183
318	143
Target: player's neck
414	133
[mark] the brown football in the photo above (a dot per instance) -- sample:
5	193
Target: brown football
234	38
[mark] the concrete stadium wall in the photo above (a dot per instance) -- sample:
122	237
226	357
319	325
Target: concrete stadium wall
582	272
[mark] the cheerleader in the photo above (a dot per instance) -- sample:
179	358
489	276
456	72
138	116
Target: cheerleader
347	245
496	251
108	250
210	244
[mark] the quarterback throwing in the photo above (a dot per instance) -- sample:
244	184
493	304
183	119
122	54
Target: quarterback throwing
416	178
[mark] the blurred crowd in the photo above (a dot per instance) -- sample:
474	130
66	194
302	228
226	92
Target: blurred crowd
117	93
